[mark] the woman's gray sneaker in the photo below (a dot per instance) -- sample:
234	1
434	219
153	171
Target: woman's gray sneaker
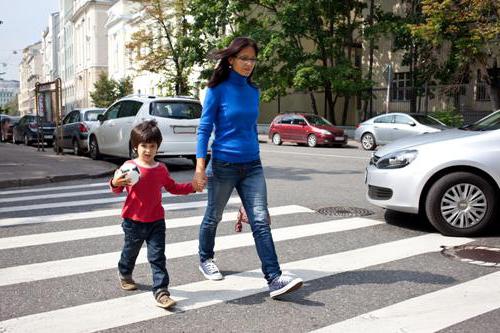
210	270
284	284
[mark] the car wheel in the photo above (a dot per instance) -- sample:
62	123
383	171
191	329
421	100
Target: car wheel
76	148
277	139
460	204
312	140
368	141
94	149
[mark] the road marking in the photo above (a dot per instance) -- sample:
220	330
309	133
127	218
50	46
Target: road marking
54	196
72	235
98	213
80	265
430	312
76	203
140	307
309	154
56	188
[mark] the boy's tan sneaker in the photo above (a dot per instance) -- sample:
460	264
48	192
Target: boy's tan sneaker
127	284
163	300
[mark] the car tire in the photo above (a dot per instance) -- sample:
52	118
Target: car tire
277	139
76	148
94	149
312	140
447	216
368	141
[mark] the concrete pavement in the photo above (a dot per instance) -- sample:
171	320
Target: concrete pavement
23	166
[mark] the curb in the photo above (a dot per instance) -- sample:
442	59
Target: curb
51	179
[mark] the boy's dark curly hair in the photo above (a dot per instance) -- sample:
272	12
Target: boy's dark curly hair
146	132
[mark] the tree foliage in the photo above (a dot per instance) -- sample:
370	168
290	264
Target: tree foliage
466	33
165	43
106	90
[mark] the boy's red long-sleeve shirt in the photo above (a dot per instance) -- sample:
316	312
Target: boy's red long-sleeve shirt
143	203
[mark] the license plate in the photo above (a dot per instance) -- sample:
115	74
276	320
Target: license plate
48	136
184	130
339	138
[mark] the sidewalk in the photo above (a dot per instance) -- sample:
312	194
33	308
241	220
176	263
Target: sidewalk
23	166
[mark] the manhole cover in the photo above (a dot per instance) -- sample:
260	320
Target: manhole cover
477	255
344	211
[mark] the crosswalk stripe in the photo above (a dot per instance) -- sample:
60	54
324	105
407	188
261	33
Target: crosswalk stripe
76	203
54	196
140	307
55	188
80	265
96	214
86	233
428	313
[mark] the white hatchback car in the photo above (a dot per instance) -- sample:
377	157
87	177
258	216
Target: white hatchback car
177	117
453	177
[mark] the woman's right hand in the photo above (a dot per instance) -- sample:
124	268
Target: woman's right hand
200	176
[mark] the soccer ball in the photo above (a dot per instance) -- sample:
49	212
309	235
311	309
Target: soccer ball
131	172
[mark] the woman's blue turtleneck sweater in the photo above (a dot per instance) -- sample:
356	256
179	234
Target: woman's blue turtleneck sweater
233	108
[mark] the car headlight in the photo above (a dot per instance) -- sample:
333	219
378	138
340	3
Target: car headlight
396	160
325	132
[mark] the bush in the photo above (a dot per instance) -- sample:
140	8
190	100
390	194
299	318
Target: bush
449	117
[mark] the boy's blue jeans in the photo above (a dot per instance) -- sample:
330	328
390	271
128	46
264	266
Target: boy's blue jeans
248	179
154	235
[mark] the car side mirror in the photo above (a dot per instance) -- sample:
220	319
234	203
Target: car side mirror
100	118
411	123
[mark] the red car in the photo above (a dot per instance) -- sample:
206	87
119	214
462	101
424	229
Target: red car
305	128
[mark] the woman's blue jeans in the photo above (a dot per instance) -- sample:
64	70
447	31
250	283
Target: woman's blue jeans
248	179
154	235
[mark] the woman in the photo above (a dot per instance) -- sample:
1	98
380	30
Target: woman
232	106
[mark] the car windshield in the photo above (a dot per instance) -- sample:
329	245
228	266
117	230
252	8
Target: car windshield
317	120
426	120
92	115
176	110
489	123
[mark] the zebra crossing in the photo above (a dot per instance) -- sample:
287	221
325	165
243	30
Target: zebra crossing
58	271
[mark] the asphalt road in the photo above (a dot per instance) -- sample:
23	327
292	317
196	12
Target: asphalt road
380	273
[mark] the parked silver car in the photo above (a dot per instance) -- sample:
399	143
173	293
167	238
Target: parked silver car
453	177
389	127
75	128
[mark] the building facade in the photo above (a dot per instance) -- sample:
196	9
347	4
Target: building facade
8	91
90	46
49	49
31	72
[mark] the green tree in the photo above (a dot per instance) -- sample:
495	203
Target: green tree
467	34
165	44
305	45
12	107
106	90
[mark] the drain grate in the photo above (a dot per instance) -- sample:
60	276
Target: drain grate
344	211
477	255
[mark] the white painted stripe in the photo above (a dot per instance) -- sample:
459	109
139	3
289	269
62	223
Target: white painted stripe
96	214
430	312
319	155
72	235
54	196
64	204
79	265
56	188
132	309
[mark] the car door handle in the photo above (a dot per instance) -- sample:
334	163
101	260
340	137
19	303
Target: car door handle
395	128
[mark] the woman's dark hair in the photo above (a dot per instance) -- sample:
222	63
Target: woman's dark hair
145	132
222	69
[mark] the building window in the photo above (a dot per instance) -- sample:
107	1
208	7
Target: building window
481	91
401	87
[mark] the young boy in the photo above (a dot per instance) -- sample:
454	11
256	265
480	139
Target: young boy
143	214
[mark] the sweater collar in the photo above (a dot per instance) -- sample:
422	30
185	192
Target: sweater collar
236	78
